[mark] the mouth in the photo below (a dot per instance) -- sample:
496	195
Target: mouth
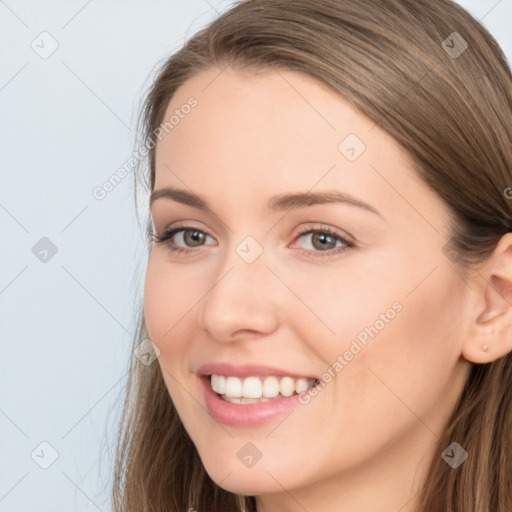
254	396
258	388
251	395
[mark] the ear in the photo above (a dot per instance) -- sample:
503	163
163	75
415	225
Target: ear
493	323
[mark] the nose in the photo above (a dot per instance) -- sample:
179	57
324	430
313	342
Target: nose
241	301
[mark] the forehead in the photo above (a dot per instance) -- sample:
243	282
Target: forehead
273	112
272	131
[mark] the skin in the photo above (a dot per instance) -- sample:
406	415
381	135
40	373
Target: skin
364	442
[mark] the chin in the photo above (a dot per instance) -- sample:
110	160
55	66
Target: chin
246	485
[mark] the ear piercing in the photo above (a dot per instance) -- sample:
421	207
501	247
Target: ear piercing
485	347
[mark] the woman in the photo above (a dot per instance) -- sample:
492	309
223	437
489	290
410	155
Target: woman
330	274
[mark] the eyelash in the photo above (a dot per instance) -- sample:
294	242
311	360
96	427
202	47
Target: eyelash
175	249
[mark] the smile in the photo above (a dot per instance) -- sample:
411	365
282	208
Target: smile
257	389
241	411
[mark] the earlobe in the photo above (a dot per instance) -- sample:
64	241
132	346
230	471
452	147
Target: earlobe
491	333
482	347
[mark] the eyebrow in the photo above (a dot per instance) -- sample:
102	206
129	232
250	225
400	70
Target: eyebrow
276	203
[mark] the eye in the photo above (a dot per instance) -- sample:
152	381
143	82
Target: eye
325	241
189	235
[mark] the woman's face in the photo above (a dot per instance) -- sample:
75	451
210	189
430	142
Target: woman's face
348	283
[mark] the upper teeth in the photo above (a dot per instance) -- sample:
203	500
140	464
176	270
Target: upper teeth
257	387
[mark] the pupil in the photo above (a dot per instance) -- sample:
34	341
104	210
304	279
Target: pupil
322	237
196	236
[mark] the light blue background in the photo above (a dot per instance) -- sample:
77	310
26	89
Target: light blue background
67	124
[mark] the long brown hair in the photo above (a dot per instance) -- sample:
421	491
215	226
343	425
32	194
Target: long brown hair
447	99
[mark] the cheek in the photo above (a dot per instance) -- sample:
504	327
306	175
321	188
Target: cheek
158	305
336	300
411	362
166	303
397	347
169	295
388	312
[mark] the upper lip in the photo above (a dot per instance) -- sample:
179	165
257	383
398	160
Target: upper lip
247	370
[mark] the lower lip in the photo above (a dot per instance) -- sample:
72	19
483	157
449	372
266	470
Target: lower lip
245	415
